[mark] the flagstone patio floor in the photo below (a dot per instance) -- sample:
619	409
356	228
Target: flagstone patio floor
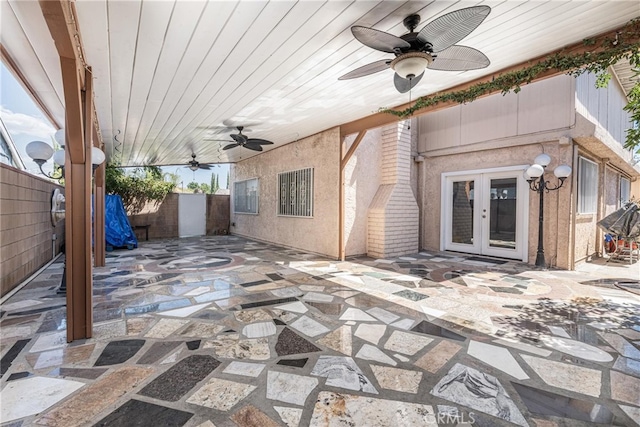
225	331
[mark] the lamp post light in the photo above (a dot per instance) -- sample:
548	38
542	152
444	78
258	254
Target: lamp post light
534	175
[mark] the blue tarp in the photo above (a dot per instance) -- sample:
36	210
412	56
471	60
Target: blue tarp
117	230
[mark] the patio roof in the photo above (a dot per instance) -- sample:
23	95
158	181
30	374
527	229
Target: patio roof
168	75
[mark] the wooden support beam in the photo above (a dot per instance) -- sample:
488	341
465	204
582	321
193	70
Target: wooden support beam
61	21
344	159
352	149
74	111
381	119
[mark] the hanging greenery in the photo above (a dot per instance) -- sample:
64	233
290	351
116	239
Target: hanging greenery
604	53
136	189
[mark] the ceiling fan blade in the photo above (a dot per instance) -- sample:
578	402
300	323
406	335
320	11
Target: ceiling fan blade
459	58
258	141
253	147
365	70
378	40
204	166
405	85
449	29
239	138
227	147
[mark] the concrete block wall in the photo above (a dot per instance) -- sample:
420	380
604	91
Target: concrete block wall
162	218
393	214
218	214
26	231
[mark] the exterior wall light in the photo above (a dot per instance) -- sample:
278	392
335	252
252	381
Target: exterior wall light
40	152
534	175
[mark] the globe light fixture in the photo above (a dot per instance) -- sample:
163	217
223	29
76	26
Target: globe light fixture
40	152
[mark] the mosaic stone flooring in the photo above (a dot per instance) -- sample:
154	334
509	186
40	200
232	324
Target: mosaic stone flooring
223	331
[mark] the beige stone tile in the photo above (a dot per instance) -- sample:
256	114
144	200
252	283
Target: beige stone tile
165	327
396	379
339	340
569	377
250	416
290	416
137	325
337	409
544	423
61	356
97	397
437	357
220	394
202	330
229	346
625	388
406	343
252	316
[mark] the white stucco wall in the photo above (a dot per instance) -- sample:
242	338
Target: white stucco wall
318	234
362	178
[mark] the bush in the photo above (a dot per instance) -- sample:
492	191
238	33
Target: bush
138	188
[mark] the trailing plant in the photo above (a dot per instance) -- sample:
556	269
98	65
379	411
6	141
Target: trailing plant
137	188
633	108
602	54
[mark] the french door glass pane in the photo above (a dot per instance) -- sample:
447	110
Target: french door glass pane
462	212
502	217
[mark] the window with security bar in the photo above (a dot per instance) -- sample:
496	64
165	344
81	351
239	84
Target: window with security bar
245	196
295	196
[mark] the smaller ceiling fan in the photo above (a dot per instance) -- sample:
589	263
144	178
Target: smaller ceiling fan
194	165
241	140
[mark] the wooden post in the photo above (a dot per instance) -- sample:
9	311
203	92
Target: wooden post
78	206
58	14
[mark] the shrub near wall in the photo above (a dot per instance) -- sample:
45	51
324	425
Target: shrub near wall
26	231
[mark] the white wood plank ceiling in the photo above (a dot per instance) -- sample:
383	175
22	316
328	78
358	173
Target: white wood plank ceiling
169	75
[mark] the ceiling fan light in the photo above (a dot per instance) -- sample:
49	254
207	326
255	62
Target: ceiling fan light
193	167
410	65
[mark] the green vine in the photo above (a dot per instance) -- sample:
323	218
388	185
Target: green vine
605	53
138	188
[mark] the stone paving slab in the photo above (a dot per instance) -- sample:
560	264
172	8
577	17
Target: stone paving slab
223	331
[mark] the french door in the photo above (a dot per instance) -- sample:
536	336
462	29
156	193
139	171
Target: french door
486	212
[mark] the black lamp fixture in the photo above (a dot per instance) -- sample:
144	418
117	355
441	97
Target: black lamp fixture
40	152
534	175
